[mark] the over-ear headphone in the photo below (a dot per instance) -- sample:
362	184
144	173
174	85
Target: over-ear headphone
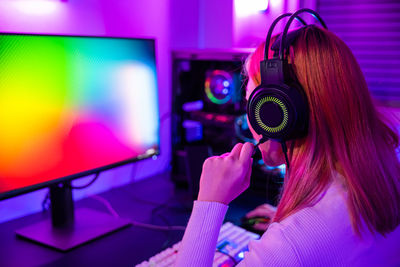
277	109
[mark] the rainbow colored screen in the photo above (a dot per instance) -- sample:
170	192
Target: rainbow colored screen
70	104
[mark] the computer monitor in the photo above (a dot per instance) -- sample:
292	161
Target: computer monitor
71	106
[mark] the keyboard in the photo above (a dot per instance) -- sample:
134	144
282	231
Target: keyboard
231	245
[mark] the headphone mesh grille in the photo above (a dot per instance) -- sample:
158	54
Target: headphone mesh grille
265	127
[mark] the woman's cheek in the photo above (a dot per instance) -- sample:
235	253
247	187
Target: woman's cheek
271	153
266	153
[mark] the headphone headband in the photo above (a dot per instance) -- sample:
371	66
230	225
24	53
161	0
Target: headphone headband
289	22
272	27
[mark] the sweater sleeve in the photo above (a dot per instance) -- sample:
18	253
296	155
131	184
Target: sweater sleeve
201	235
273	249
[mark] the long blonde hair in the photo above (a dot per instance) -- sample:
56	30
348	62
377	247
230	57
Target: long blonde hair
346	135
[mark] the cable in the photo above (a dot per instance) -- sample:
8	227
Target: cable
161	206
262	140
167	204
168	233
107	204
284	149
45	202
156	211
158	227
109	207
157	205
88	184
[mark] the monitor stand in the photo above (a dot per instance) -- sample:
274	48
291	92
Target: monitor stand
67	229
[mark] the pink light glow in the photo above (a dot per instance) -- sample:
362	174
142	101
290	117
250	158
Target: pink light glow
37	7
246	7
275	3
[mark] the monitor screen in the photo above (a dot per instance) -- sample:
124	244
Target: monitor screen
73	105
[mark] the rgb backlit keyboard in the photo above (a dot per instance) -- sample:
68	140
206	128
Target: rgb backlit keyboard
231	245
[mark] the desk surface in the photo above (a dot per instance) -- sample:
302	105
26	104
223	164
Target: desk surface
154	200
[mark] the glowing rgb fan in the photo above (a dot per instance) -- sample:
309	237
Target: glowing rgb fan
219	86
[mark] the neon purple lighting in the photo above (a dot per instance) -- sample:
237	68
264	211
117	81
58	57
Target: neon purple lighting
275	3
246	8
37	7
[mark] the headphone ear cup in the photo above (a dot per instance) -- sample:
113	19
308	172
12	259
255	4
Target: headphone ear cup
277	112
269	112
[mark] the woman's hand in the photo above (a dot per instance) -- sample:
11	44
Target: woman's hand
225	177
265	211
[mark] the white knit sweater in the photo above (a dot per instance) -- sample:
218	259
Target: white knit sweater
320	235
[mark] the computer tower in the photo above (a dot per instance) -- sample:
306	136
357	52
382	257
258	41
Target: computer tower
208	111
208	94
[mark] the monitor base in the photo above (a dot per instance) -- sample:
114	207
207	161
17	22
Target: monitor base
88	225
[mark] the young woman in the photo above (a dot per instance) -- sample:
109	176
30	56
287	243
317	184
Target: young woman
340	203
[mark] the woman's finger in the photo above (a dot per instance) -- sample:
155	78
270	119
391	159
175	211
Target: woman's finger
258	213
246	152
264	210
268	206
235	153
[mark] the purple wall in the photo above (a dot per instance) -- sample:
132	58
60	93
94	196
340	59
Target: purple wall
176	24
148	18
210	24
201	24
